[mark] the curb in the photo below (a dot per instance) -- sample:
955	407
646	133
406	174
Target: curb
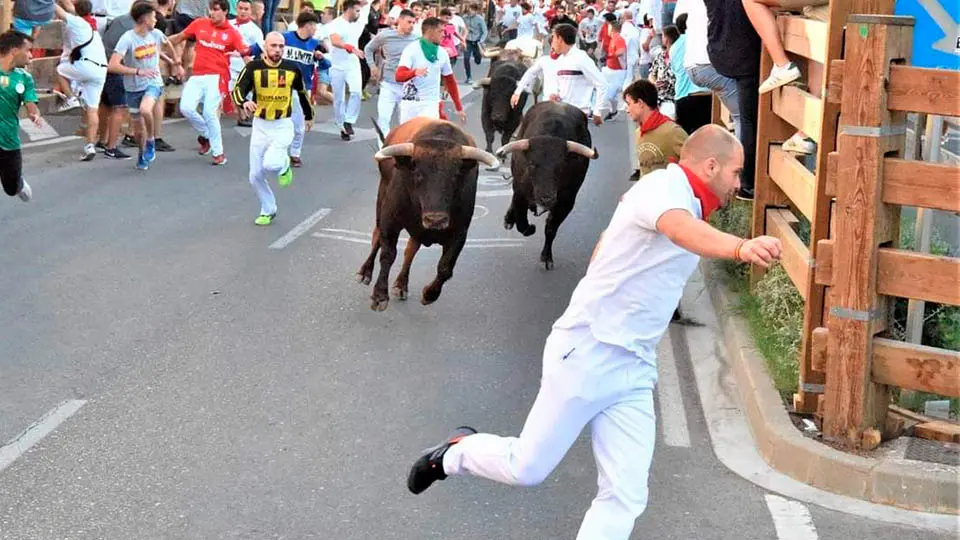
933	488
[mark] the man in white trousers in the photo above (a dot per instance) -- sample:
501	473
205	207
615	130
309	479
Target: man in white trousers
215	39
345	72
390	43
631	35
599	362
271	82
615	69
423	65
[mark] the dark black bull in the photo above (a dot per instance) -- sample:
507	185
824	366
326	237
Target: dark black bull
428	187
497	115
550	160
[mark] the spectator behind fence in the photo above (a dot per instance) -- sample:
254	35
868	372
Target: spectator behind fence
661	74
659	139
694	104
30	15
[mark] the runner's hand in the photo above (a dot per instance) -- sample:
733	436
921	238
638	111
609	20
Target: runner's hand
250	107
35	118
374	73
179	72
358	52
761	251
309	125
462	115
420	72
149	72
597	119
514	100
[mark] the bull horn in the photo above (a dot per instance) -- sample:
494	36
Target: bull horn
488	159
492	53
581	149
485	81
513	146
394	150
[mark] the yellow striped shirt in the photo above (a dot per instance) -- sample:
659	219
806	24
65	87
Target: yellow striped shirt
273	87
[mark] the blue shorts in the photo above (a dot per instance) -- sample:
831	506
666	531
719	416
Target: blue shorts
324	77
26	27
134	98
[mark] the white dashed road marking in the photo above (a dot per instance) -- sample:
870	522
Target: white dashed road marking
673	413
303	227
360	237
791	519
40	429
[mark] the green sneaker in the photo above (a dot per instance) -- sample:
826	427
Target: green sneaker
286	176
265	219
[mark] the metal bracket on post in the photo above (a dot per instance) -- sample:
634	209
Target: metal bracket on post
856	315
812	388
882	131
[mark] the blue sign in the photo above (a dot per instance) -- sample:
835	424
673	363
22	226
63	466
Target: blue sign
936	36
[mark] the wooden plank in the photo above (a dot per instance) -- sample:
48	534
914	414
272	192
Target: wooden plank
800	109
939	430
835	81
916	367
824	263
44	71
803	36
50	36
910	415
830	188
931	91
854	403
818	348
795	256
909	274
918	183
796	181
6	14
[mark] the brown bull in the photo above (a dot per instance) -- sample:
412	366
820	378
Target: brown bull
428	187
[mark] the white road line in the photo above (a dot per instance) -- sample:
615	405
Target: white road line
791	519
47	142
40	429
673	413
495	193
477	243
303	227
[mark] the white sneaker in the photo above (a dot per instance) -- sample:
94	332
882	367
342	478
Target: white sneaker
798	144
71	103
780	76
25	192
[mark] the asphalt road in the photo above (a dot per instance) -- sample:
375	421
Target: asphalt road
241	392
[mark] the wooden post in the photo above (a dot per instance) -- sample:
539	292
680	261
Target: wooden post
855	404
6	14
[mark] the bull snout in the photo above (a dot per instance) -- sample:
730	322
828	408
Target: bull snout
435	220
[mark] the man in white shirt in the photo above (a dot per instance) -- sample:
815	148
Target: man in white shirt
252	35
631	35
423	64
599	362
345	56
508	24
572	77
696	61
86	66
527	23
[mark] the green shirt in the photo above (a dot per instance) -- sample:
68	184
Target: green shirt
16	88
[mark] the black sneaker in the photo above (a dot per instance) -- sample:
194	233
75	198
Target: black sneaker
610	116
344	135
129	142
348	127
635	176
100	147
115	153
429	468
745	194
161	145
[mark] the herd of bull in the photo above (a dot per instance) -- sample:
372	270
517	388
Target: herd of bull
428	180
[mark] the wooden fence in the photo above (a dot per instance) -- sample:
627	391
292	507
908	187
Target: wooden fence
860	87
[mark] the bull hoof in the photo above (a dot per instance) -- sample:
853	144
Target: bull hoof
400	294
363	279
530	230
379	304
508	222
547	261
429	296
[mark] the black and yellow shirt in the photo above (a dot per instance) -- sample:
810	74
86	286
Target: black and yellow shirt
273	87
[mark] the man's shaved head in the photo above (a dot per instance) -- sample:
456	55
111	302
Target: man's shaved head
273	37
273	46
716	156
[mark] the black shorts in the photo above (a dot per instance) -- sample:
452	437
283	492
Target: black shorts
11	171
113	94
181	22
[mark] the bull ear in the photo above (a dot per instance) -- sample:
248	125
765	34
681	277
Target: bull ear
403	162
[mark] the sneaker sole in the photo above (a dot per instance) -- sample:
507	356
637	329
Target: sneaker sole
779	84
458	434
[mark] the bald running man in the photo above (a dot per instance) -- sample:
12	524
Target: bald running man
599	362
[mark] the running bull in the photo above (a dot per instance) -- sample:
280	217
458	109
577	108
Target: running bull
428	187
550	160
497	115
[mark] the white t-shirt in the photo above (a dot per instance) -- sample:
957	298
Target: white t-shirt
631	35
349	32
458	23
510	15
526	25
394	12
636	280
425	87
251	34
76	32
646	57
654	10
696	53
574	76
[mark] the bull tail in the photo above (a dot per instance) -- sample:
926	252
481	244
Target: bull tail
380	135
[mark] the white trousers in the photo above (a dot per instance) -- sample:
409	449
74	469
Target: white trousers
204	89
632	71
346	108
269	143
299	127
615	79
390	93
584	382
88	77
413	109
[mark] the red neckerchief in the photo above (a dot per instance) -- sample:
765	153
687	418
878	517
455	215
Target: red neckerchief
708	200
654	121
243	20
